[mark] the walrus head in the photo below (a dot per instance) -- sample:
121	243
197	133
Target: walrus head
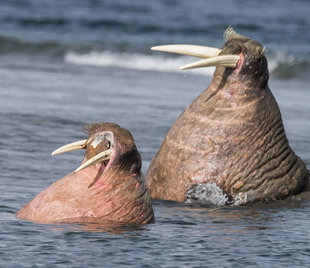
252	67
241	59
108	147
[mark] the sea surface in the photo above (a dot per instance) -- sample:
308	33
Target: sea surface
64	64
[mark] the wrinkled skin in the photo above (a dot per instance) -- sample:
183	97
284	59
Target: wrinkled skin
232	136
111	191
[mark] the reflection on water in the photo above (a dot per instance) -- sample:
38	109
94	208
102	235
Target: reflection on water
227	219
93	226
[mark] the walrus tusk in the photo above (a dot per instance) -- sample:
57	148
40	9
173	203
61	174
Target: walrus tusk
210	55
71	147
191	50
105	155
219	61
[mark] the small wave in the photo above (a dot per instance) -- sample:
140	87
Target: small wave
133	61
36	22
11	45
287	66
280	66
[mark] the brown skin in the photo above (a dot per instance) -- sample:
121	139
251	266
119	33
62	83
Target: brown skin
231	135
113	190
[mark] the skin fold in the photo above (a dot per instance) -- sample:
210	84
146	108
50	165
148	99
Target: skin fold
113	190
231	136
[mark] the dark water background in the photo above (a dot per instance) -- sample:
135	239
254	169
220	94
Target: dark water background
66	63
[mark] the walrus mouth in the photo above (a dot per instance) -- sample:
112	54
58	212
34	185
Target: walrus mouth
82	144
210	54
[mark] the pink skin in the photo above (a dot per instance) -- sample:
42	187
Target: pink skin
230	94
239	63
101	192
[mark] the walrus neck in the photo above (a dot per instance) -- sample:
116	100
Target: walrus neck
125	194
112	176
223	77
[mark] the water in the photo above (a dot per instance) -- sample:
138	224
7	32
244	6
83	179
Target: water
66	63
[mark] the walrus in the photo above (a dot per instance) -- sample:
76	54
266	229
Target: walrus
107	187
230	141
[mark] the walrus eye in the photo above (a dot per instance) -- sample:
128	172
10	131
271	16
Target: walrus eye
234	48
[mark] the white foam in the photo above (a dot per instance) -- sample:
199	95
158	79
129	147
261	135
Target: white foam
156	62
206	193
275	61
135	61
241	199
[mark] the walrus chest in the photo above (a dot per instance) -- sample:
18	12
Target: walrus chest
214	148
239	150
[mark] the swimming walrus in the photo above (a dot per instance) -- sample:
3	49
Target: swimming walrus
108	186
231	138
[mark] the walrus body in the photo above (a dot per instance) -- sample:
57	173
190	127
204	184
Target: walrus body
111	189
231	136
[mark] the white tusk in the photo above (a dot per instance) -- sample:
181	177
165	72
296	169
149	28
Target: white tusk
71	147
191	50
219	61
96	159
